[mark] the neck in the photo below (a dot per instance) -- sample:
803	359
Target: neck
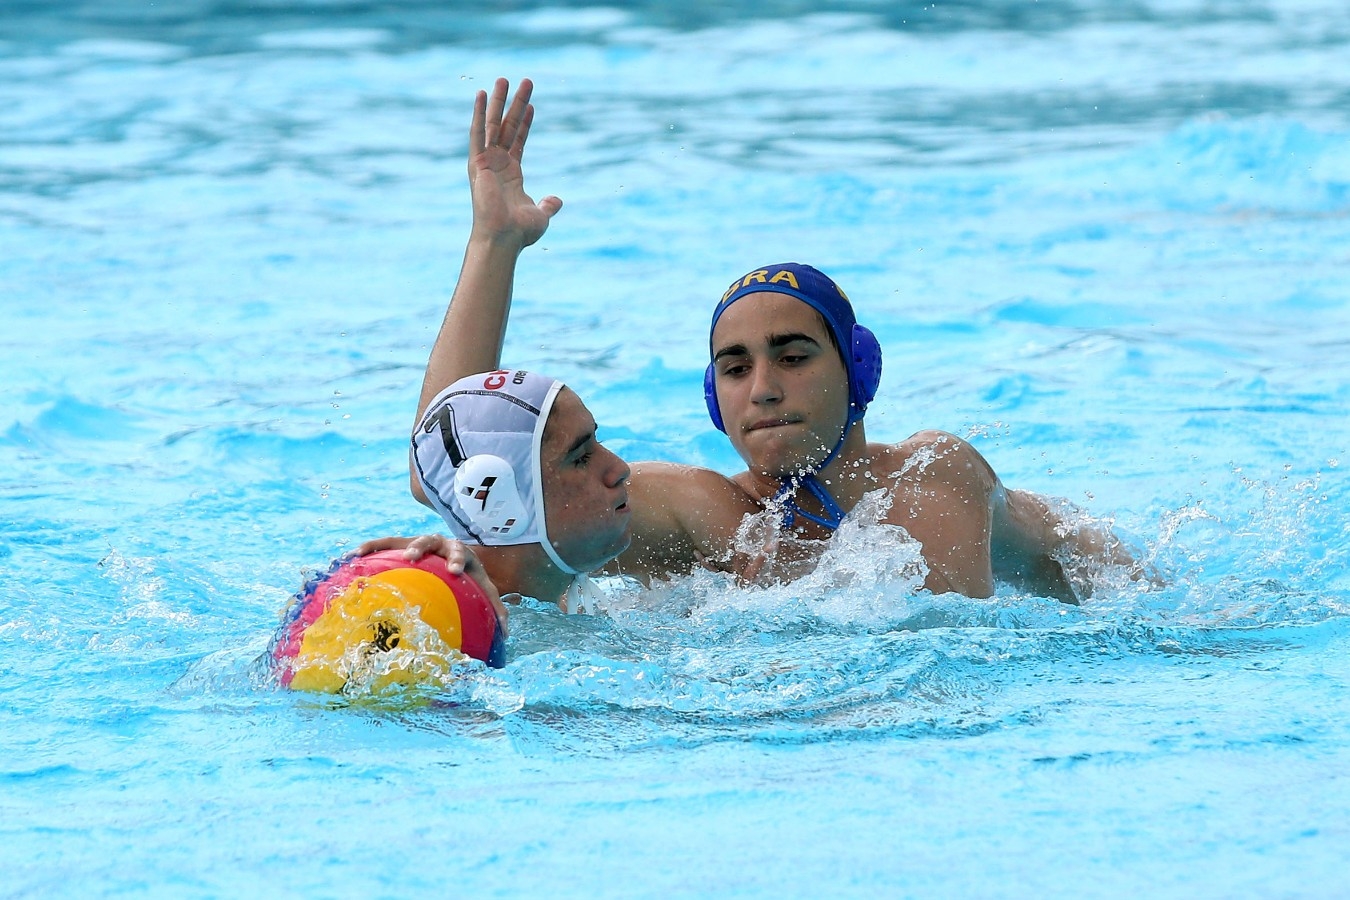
525	569
847	477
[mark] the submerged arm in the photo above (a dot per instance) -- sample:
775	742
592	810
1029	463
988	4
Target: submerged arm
1037	547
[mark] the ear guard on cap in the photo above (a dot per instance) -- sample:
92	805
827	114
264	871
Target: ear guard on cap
710	398
864	377
486	496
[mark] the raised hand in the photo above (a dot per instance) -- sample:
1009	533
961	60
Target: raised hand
501	208
505	221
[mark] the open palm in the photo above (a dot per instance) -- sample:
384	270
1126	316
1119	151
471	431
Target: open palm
501	208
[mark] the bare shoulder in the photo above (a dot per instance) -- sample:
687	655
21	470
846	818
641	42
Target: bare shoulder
701	503
931	455
942	492
671	473
681	514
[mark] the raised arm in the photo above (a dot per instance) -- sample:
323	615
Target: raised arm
505	222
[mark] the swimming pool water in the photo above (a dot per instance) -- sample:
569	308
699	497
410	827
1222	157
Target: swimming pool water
1106	242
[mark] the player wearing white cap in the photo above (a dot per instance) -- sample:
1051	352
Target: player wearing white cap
511	462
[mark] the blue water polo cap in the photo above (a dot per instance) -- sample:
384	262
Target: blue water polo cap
857	345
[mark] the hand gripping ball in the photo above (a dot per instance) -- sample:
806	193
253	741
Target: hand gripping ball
377	614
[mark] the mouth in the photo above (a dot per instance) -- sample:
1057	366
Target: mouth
776	422
623	507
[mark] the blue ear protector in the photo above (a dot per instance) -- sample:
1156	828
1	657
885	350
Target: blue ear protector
710	398
865	372
864	377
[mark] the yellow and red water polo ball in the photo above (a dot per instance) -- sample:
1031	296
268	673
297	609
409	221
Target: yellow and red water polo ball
366	610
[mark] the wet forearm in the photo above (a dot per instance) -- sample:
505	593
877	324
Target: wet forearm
471	336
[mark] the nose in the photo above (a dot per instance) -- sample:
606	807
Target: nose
764	385
616	470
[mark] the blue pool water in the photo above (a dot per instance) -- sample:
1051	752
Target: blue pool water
1105	241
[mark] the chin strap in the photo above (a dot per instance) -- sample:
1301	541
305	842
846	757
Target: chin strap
583	595
834	514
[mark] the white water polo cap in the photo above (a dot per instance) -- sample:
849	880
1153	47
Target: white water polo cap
476	455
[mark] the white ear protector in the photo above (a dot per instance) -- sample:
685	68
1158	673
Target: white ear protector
486	496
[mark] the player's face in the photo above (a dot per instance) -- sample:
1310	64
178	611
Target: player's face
781	385
585	488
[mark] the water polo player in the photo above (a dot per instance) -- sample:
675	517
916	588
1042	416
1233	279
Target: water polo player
680	514
789	382
790	376
511	461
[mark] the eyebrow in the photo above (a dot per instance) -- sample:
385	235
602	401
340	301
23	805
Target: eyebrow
733	350
782	340
775	341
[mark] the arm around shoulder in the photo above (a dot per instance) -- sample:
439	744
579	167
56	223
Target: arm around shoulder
683	517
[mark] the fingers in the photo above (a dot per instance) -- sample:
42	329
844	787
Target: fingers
709	563
495	105
503	611
472	566
515	126
503	615
749	575
459	560
477	126
452	551
517	148
550	205
490	128
756	568
384	543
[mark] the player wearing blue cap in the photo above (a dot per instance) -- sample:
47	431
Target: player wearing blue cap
790	378
733	362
